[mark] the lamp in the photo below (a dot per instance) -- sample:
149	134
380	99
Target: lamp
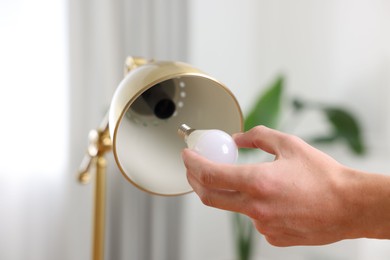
150	103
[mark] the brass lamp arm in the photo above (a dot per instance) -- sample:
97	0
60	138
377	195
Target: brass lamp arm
99	144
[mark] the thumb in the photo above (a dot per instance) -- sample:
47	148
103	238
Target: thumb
261	137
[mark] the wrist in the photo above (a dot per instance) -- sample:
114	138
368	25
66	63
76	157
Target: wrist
366	199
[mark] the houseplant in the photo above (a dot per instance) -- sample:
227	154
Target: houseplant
267	110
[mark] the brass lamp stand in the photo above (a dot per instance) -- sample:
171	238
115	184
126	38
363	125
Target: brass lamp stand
94	159
99	144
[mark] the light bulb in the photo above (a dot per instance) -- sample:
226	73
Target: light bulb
213	144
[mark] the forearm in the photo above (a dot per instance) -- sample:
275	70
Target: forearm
367	204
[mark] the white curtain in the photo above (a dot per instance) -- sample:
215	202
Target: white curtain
102	34
33	112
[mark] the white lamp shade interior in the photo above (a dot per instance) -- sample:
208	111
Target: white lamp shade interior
148	149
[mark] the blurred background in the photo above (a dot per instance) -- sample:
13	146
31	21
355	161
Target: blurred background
61	60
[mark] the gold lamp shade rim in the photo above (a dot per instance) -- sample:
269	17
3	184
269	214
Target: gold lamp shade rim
173	70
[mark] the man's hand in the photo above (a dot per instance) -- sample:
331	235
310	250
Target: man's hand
303	197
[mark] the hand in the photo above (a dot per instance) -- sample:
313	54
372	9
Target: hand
303	197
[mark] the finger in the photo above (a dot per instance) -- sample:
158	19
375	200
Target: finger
261	137
219	176
221	199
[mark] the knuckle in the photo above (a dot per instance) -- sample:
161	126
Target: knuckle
262	185
261	215
206	199
263	228
258	130
258	186
291	143
293	140
273	240
279	240
206	178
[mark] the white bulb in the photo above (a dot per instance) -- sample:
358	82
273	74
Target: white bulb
215	145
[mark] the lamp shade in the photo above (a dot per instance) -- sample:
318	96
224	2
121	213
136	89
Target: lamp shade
149	105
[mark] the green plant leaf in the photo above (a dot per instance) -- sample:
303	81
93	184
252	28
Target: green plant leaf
266	110
298	104
324	139
345	127
243	230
